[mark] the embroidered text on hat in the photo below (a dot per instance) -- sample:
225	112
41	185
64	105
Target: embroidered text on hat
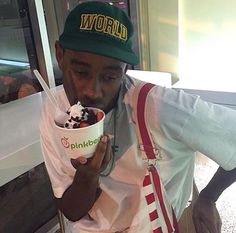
105	24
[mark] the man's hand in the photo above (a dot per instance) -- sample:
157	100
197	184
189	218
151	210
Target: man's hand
79	198
205	216
95	165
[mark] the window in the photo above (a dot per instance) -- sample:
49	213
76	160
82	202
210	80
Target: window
195	40
17	52
207	48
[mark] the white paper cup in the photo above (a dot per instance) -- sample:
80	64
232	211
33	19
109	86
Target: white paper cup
81	142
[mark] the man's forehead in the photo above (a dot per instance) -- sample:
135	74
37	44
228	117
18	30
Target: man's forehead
88	59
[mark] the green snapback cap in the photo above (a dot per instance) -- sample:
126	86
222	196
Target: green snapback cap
100	28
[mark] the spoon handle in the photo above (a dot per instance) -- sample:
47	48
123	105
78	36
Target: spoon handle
46	88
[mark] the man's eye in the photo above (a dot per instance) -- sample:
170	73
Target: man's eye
110	77
81	72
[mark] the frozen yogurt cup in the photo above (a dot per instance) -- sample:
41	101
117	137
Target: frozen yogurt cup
80	143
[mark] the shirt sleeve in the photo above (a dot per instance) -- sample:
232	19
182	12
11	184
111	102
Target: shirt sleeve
58	165
211	130
200	125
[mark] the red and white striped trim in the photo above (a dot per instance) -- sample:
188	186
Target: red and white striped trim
161	214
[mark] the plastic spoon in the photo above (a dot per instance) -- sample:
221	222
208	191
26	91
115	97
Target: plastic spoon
60	116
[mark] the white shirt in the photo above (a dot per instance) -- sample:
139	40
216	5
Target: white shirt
180	125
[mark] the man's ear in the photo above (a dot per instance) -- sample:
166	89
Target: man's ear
59	54
126	68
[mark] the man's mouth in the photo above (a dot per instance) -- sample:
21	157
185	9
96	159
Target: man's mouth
94	104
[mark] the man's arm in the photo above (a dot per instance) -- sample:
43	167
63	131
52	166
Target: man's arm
79	198
220	181
205	215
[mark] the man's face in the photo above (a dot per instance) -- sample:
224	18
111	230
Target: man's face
89	78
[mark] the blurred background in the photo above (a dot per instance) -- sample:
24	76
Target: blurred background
192	41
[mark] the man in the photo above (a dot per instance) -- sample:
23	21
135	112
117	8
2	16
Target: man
105	193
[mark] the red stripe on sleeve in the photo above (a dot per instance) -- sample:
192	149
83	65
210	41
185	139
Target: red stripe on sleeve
157	184
150	198
158	230
153	215
141	120
147	180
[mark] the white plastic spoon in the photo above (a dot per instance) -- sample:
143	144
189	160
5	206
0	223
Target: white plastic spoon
60	116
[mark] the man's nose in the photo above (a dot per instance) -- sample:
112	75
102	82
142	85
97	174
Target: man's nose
93	89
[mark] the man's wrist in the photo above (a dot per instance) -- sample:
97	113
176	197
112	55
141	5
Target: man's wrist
88	180
208	195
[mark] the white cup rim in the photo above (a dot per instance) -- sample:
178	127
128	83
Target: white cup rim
84	128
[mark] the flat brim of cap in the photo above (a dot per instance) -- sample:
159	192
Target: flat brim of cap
99	47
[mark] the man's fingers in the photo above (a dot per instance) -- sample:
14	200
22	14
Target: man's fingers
100	152
108	154
75	163
201	228
219	225
100	159
213	227
199	225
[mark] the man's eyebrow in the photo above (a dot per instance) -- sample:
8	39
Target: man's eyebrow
76	62
110	67
115	67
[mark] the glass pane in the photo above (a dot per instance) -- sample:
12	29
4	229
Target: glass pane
207	46
163	35
18	55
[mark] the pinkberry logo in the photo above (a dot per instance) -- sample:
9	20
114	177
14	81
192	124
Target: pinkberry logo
84	144
78	145
64	142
